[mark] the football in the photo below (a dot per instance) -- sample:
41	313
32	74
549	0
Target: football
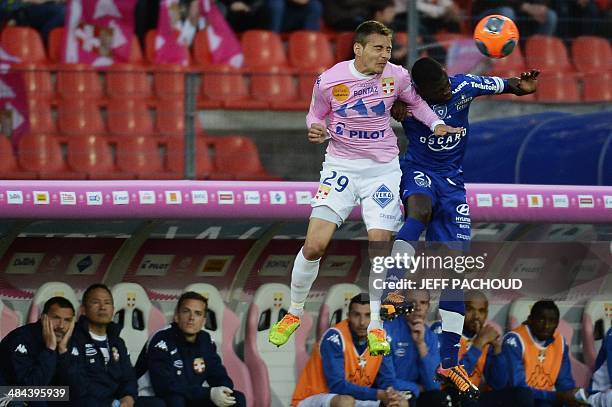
496	36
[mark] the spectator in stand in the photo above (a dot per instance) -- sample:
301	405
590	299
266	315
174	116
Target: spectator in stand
533	17
245	15
438	15
42	15
291	15
577	17
346	15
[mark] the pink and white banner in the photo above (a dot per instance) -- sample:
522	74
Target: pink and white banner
14	121
99	32
174	36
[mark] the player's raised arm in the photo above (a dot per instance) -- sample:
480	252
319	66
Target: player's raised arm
525	85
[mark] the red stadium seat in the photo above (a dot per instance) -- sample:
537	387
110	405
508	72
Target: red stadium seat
224	86
305	85
237	156
78	81
512	63
136	52
447	39
79	117
205	167
592	54
141	155
37	80
598	87
8	162
169	82
276	86
93	155
344	46
42	153
309	51
262	48
201	50
24	43
170	118
55	43
40	117
547	53
557	87
174	160
127	81
129	117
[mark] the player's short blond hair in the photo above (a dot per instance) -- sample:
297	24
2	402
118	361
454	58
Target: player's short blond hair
367	28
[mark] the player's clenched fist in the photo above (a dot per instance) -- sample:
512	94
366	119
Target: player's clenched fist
443	130
317	133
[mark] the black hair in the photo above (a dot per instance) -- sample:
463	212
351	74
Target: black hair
60	301
426	71
475	294
191	295
95	287
367	28
542	305
361	298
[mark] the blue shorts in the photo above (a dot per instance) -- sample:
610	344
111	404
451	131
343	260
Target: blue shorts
450	214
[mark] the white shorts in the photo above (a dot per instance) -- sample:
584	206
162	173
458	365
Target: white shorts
347	183
601	399
324	400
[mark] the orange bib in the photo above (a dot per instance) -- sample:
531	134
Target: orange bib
478	372
542	365
359	369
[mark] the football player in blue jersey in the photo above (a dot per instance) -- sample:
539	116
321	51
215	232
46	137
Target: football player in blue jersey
432	186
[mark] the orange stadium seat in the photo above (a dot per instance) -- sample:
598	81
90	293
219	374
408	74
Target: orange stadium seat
150	46
78	81
93	155
55	43
128	117
547	53
557	87
79	117
37	80
141	155
344	46
170	118
40	117
127	81
598	87
8	162
237	156
169	82
24	43
592	54
276	86
309	51
512	63
201	51
42	153
262	48
174	159
225	86
205	167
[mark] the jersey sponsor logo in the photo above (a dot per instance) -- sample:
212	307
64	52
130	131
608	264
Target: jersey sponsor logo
443	143
422	179
463	103
440	110
382	196
492	87
463	209
459	87
370	90
388	85
341	92
367	135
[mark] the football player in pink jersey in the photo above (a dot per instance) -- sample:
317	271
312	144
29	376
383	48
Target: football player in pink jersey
350	107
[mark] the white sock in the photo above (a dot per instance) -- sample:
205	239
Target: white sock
375	322
303	275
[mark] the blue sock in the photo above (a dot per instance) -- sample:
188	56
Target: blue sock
411	231
452	311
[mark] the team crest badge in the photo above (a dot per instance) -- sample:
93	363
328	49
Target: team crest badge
198	365
115	352
322	192
382	196
388	85
440	110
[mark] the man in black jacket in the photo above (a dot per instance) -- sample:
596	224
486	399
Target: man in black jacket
182	357
105	375
34	354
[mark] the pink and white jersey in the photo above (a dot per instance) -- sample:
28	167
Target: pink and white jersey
358	106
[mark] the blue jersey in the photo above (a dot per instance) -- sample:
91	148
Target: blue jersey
444	155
